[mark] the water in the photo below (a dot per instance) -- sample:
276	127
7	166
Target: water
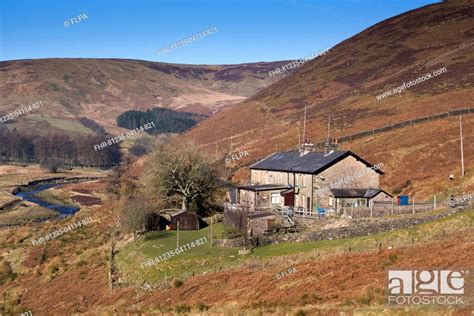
30	196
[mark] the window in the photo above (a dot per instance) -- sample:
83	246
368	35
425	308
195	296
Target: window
275	198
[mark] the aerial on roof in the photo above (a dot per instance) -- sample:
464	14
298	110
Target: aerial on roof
312	162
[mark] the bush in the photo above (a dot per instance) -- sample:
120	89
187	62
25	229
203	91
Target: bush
183	309
177	283
134	215
300	313
365	299
92	125
202	307
52	165
6	273
393	257
138	150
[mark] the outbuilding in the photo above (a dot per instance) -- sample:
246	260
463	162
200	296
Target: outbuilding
187	221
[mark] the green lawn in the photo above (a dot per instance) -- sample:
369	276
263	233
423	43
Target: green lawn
198	260
205	259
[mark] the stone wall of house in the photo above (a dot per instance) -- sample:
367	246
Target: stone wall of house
382	197
303	181
269	177
257	200
257	226
246	197
345	168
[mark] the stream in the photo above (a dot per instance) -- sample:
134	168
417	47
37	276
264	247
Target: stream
30	194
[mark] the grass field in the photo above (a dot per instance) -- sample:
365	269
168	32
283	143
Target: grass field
206	259
197	260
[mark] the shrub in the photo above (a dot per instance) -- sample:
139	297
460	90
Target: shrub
138	150
365	299
41	256
177	283
92	125
202	307
53	269
183	309
134	215
52	165
392	257
300	313
6	272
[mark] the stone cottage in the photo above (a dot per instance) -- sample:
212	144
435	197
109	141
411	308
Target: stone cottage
310	183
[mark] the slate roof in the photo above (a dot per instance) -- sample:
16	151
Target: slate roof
357	193
265	187
312	162
183	212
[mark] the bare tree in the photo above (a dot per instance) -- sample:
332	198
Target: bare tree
238	219
184	174
134	215
52	164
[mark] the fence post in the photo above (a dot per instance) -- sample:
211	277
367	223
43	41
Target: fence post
434	203
413	204
392	206
352	210
371	208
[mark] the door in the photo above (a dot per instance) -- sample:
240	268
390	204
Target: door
308	204
289	199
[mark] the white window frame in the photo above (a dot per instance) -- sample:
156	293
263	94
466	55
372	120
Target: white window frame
275	198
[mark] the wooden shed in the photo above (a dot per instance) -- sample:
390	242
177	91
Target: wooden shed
187	221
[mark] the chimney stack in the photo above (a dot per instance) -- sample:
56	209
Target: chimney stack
306	147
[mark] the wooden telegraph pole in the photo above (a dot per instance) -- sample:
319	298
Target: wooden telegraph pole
462	149
212	220
177	235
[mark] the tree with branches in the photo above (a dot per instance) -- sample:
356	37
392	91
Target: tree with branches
182	174
134	215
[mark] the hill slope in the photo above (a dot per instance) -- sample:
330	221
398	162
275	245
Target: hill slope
345	83
101	89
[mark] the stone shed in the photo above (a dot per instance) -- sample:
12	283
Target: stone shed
259	222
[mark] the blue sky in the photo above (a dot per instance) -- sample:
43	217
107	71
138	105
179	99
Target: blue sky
247	30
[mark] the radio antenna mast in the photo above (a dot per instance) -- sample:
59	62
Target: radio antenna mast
304	126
